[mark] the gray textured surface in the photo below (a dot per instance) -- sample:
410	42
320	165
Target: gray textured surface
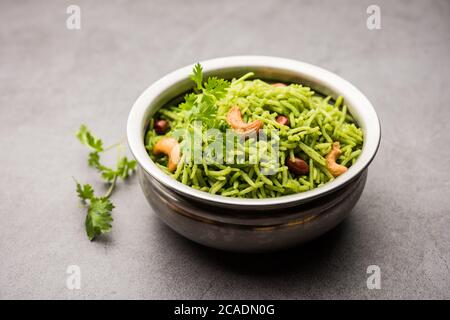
53	79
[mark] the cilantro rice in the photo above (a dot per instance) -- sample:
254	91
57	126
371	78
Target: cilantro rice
314	122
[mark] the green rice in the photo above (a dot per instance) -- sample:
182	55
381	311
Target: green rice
315	122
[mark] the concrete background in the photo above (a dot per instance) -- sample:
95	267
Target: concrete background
53	79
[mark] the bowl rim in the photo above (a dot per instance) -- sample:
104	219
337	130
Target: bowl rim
358	104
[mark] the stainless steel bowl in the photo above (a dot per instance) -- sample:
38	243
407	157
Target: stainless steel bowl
252	224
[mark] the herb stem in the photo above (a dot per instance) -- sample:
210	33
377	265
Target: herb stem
112	146
111	187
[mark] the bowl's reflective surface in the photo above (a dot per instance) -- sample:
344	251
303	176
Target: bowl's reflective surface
246	229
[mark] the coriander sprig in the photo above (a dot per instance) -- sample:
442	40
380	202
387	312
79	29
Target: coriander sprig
202	105
98	217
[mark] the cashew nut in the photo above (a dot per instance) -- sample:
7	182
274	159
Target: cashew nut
234	119
279	84
335	168
171	148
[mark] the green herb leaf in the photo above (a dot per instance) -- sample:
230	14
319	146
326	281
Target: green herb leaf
125	167
88	139
216	87
94	160
189	101
205	111
98	219
197	76
108	174
85	192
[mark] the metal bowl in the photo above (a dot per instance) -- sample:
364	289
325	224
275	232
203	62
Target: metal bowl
252	224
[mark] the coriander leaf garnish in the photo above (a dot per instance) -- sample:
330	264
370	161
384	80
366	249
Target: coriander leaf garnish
98	217
216	87
202	105
189	101
108	174
205	111
125	167
197	76
88	139
85	192
94	160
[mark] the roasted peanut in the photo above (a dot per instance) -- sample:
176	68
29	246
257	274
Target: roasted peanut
335	168
282	120
279	84
170	147
161	126
297	166
234	119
